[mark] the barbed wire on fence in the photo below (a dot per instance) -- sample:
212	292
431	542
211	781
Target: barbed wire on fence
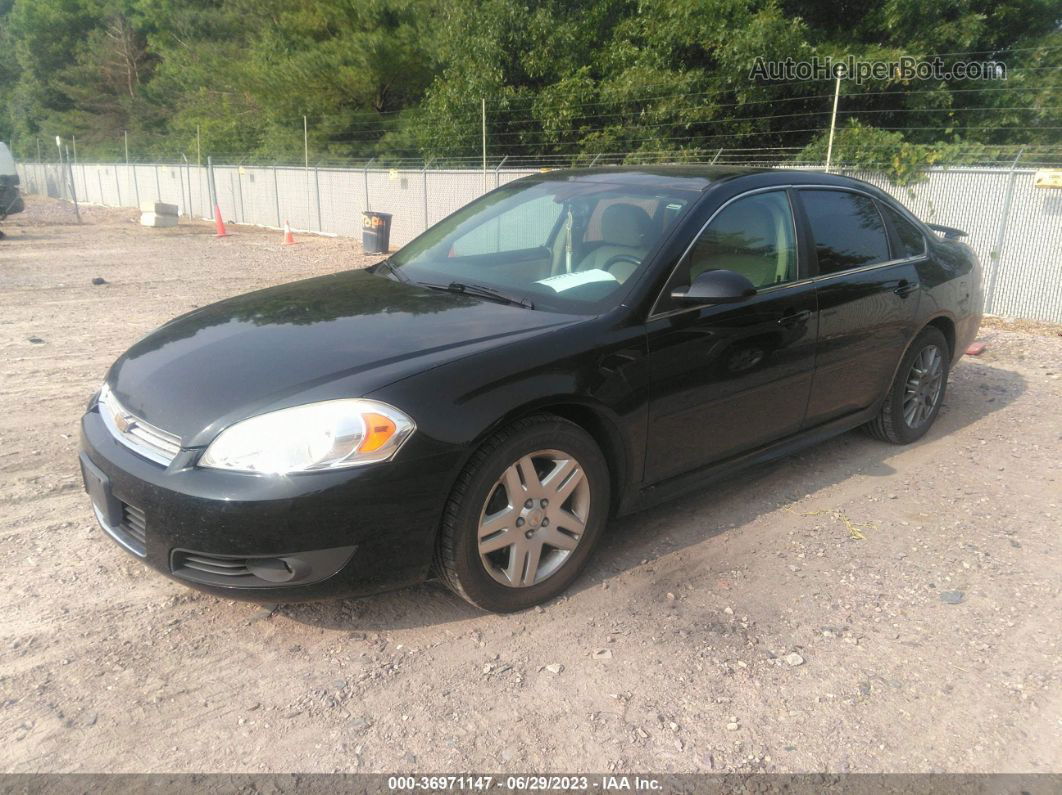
974	155
519	125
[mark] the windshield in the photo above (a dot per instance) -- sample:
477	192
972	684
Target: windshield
559	246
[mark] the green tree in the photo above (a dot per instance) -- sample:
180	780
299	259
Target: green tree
563	82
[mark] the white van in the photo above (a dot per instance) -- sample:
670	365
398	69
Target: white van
10	200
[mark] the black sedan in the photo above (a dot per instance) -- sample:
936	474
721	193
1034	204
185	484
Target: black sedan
569	347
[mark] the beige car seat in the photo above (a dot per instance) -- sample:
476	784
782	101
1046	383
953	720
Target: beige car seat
625	230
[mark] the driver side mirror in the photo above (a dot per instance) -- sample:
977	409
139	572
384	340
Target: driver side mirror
715	287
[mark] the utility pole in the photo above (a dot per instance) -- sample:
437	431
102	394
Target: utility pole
198	149
833	121
483	114
73	141
38	149
126	133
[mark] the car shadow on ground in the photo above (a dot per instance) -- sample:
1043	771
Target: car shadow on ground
974	393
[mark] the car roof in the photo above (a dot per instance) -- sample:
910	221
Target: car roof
691	177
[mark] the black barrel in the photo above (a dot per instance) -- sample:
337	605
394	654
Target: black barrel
375	232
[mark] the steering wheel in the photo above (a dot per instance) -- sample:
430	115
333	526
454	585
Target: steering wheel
616	259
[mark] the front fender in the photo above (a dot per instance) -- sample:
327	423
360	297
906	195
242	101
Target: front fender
593	376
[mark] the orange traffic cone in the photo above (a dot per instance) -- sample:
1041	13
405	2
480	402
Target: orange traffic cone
218	223
289	239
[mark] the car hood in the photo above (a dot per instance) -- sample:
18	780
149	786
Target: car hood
343	335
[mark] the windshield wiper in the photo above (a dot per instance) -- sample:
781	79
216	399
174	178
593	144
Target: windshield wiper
399	276
481	291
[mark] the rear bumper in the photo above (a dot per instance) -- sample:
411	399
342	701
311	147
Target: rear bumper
966	329
267	538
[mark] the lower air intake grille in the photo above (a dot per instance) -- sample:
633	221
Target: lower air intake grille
268	571
234	568
130	531
134	523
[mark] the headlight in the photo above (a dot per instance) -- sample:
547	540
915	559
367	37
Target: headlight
329	435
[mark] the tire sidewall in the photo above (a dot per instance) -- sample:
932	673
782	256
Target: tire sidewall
477	584
901	429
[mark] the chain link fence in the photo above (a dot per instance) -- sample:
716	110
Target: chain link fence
1014	226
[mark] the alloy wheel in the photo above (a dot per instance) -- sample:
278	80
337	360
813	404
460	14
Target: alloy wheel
924	385
533	518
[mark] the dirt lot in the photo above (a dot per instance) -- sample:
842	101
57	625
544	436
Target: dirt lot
859	607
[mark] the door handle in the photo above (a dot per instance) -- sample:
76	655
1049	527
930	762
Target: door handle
904	288
792	318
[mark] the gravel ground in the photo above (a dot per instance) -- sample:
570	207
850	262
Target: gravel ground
859	607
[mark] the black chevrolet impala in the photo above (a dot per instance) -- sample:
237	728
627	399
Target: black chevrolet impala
569	347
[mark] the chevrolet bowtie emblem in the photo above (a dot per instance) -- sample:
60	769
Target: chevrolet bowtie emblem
124	422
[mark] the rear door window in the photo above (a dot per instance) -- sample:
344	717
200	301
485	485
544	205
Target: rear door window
847	229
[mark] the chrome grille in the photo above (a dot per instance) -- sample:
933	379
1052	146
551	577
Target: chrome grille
142	437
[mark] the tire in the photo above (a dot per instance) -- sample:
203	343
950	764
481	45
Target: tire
894	423
487	540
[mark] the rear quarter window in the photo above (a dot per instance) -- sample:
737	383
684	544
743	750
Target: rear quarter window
909	239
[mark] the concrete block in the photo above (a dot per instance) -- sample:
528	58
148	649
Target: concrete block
158	221
159	208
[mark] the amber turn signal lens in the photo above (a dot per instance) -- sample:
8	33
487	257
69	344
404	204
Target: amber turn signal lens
378	429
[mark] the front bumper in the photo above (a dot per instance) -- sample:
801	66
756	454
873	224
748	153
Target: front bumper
290	538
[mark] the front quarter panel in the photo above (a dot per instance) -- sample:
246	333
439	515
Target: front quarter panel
599	365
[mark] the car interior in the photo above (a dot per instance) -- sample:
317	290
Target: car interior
581	246
626	232
754	237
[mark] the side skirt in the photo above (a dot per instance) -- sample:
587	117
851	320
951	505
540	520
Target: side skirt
691	481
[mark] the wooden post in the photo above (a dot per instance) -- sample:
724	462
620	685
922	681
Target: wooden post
833	121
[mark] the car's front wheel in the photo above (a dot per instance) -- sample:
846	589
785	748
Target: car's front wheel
524	515
917	393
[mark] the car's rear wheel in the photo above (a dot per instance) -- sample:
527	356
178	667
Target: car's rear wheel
916	395
524	515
